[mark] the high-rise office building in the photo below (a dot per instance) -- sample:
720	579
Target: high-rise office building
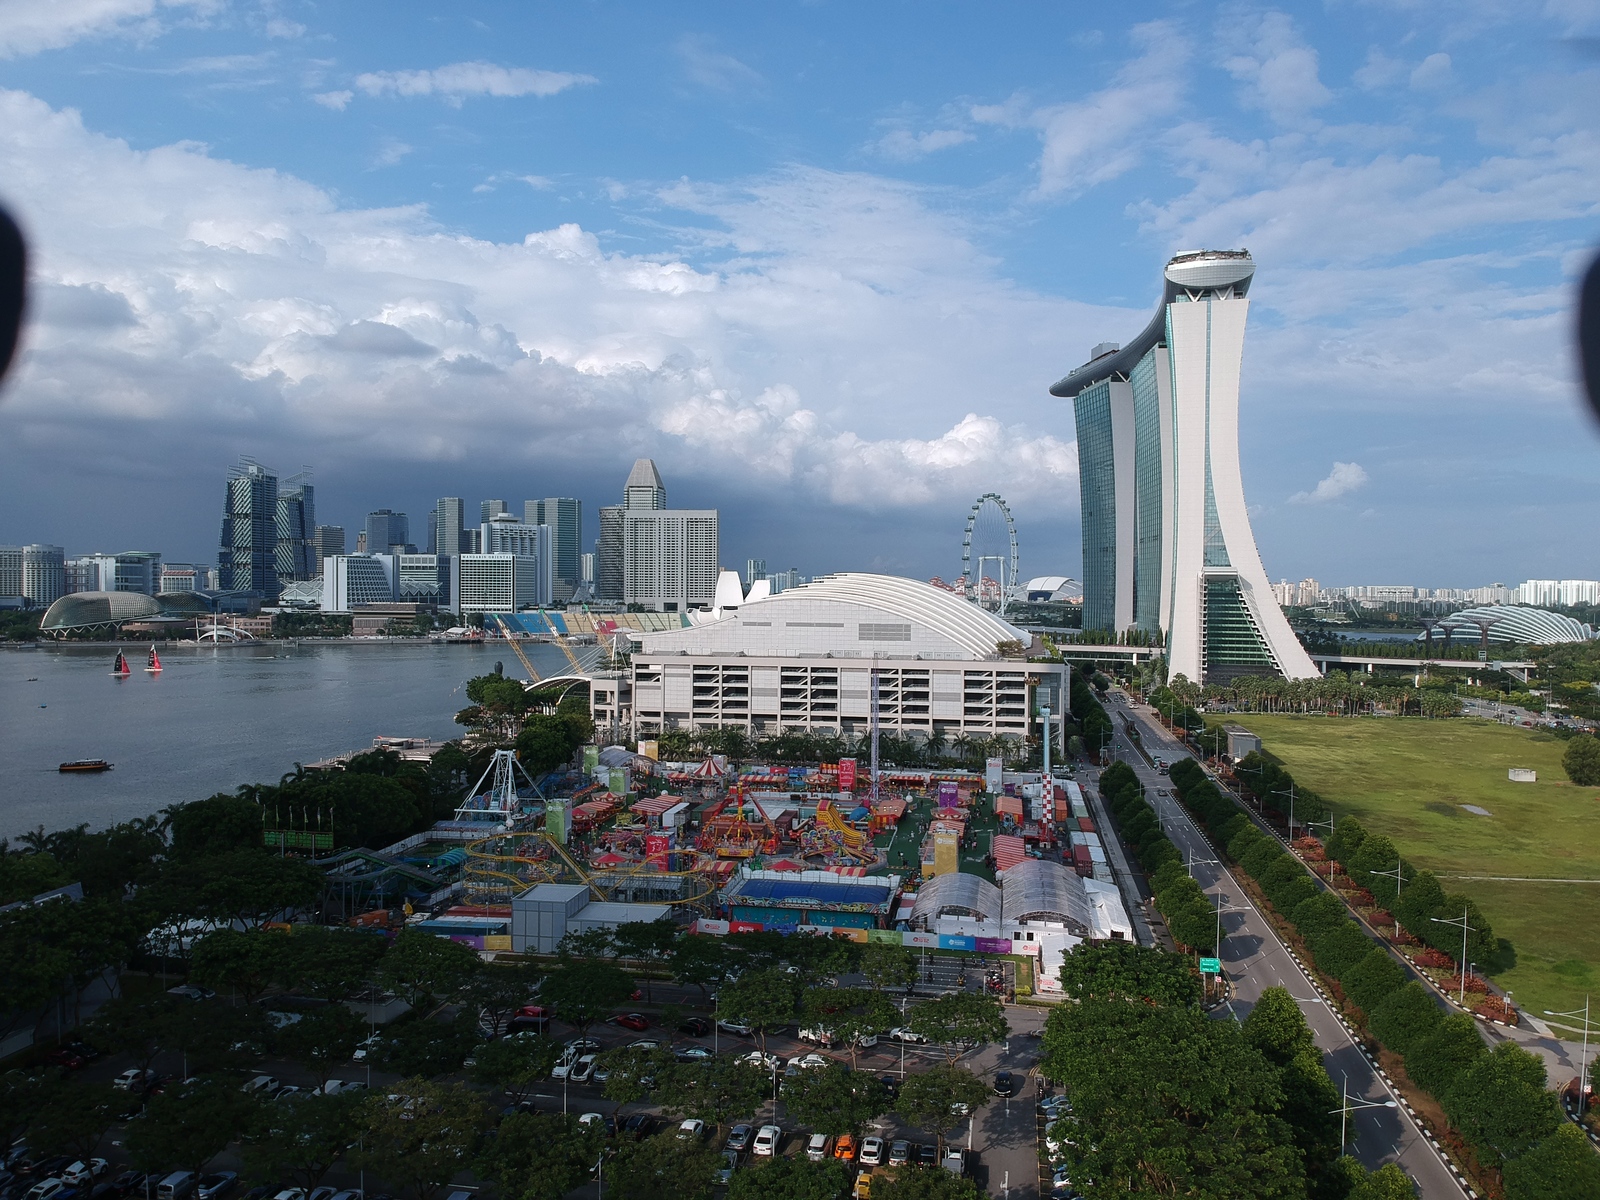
1167	543
44	578
488	510
669	556
449	520
608	555
351	580
754	569
564	516
506	535
248	558
11	574
385	530
297	525
495	583
327	541
132	571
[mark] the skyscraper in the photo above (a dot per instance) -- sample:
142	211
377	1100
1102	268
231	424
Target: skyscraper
327	541
488	510
670	557
297	524
43	574
1167	543
644	488
386	529
564	516
448	519
608	555
247	560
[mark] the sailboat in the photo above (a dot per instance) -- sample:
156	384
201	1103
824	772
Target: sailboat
154	665
120	668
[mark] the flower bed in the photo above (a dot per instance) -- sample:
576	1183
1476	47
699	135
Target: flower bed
1429	957
1475	984
1495	1008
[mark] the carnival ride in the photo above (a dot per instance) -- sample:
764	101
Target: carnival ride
504	865
501	799
832	834
726	832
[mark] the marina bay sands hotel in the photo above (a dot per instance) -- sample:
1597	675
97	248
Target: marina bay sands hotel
1167	545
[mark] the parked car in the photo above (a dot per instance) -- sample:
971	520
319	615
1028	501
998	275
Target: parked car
290	1194
134	1080
85	1169
323	1193
817	1147
583	1069
735	1027
640	1125
927	1154
220	1184
606	1124
899	1153
128	1183
179	1184
338	1087
730	1163
871	1151
739	1138
767	1062
83	1050
190	991
816	1036
349	1194
1061	1184
692	1054
367	1046
890	1085
809	1061
644	1044
768	1139
51	1189
637	1022
582	1045
65	1059
696	1027
863	1188
845	1147
1005	1084
691	1129
901	1033
957	1161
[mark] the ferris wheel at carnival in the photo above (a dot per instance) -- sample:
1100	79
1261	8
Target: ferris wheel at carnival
990	526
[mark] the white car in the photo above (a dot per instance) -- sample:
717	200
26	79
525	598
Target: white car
368	1046
82	1171
48	1189
564	1065
871	1152
338	1087
692	1129
735	1027
768	1138
901	1033
809	1061
767	1062
583	1069
591	1118
817	1147
817	1036
132	1078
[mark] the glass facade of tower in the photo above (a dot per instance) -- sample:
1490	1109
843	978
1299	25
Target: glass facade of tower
1097	491
1233	645
297	530
1147	471
247	560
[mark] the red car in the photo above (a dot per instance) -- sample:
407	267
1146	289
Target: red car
531	1010
634	1021
64	1058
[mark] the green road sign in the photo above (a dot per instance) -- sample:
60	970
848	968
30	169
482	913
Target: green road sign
1210	966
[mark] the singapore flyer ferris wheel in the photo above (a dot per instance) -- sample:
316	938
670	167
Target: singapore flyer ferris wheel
991	529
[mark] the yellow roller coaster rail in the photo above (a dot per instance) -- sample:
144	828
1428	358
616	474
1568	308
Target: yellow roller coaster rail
502	866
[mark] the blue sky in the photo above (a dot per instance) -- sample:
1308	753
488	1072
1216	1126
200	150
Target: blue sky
820	260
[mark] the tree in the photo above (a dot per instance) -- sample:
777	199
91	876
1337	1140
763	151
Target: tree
584	992
764	1000
545	743
332	964
1500	1105
699	961
1405	1018
249	887
934	1100
189	1126
419	1134
1278	1028
647	943
790	1179
1561	1167
515	1063
303	1138
1171	1101
246	963
887	965
540	1156
834	1099
322	1039
849	1014
422	966
72	1118
598	942
497	990
1373	979
715	1090
1581	760
21	1098
1388	1182
1441	1057
664	1167
424	1047
205	1033
204	828
909	1183
1122	970
134	1025
633	1071
959	1021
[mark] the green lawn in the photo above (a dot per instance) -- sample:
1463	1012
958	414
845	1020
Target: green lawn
1409	777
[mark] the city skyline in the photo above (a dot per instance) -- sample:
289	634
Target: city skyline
803	262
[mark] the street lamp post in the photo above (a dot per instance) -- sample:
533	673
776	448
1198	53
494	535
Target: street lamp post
1399	881
1461	967
1290	794
1583	1058
1346	1108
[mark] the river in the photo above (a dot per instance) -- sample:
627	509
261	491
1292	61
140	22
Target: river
214	718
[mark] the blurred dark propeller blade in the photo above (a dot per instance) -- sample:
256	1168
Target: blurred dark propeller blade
13	280
1589	333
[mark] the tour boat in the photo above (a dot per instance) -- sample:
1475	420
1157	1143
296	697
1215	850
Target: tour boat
155	659
85	764
121	668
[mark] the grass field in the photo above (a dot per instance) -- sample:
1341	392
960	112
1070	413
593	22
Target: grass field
1409	778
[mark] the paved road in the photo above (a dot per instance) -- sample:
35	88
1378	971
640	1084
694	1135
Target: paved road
1253	959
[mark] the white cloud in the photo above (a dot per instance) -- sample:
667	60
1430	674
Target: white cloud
458	80
901	145
1277	68
391	151
711	68
279	27
1342	480
1096	139
790	358
338	101
1431	73
1379	71
32	26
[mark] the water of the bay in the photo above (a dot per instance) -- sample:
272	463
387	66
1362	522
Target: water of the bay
214	718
